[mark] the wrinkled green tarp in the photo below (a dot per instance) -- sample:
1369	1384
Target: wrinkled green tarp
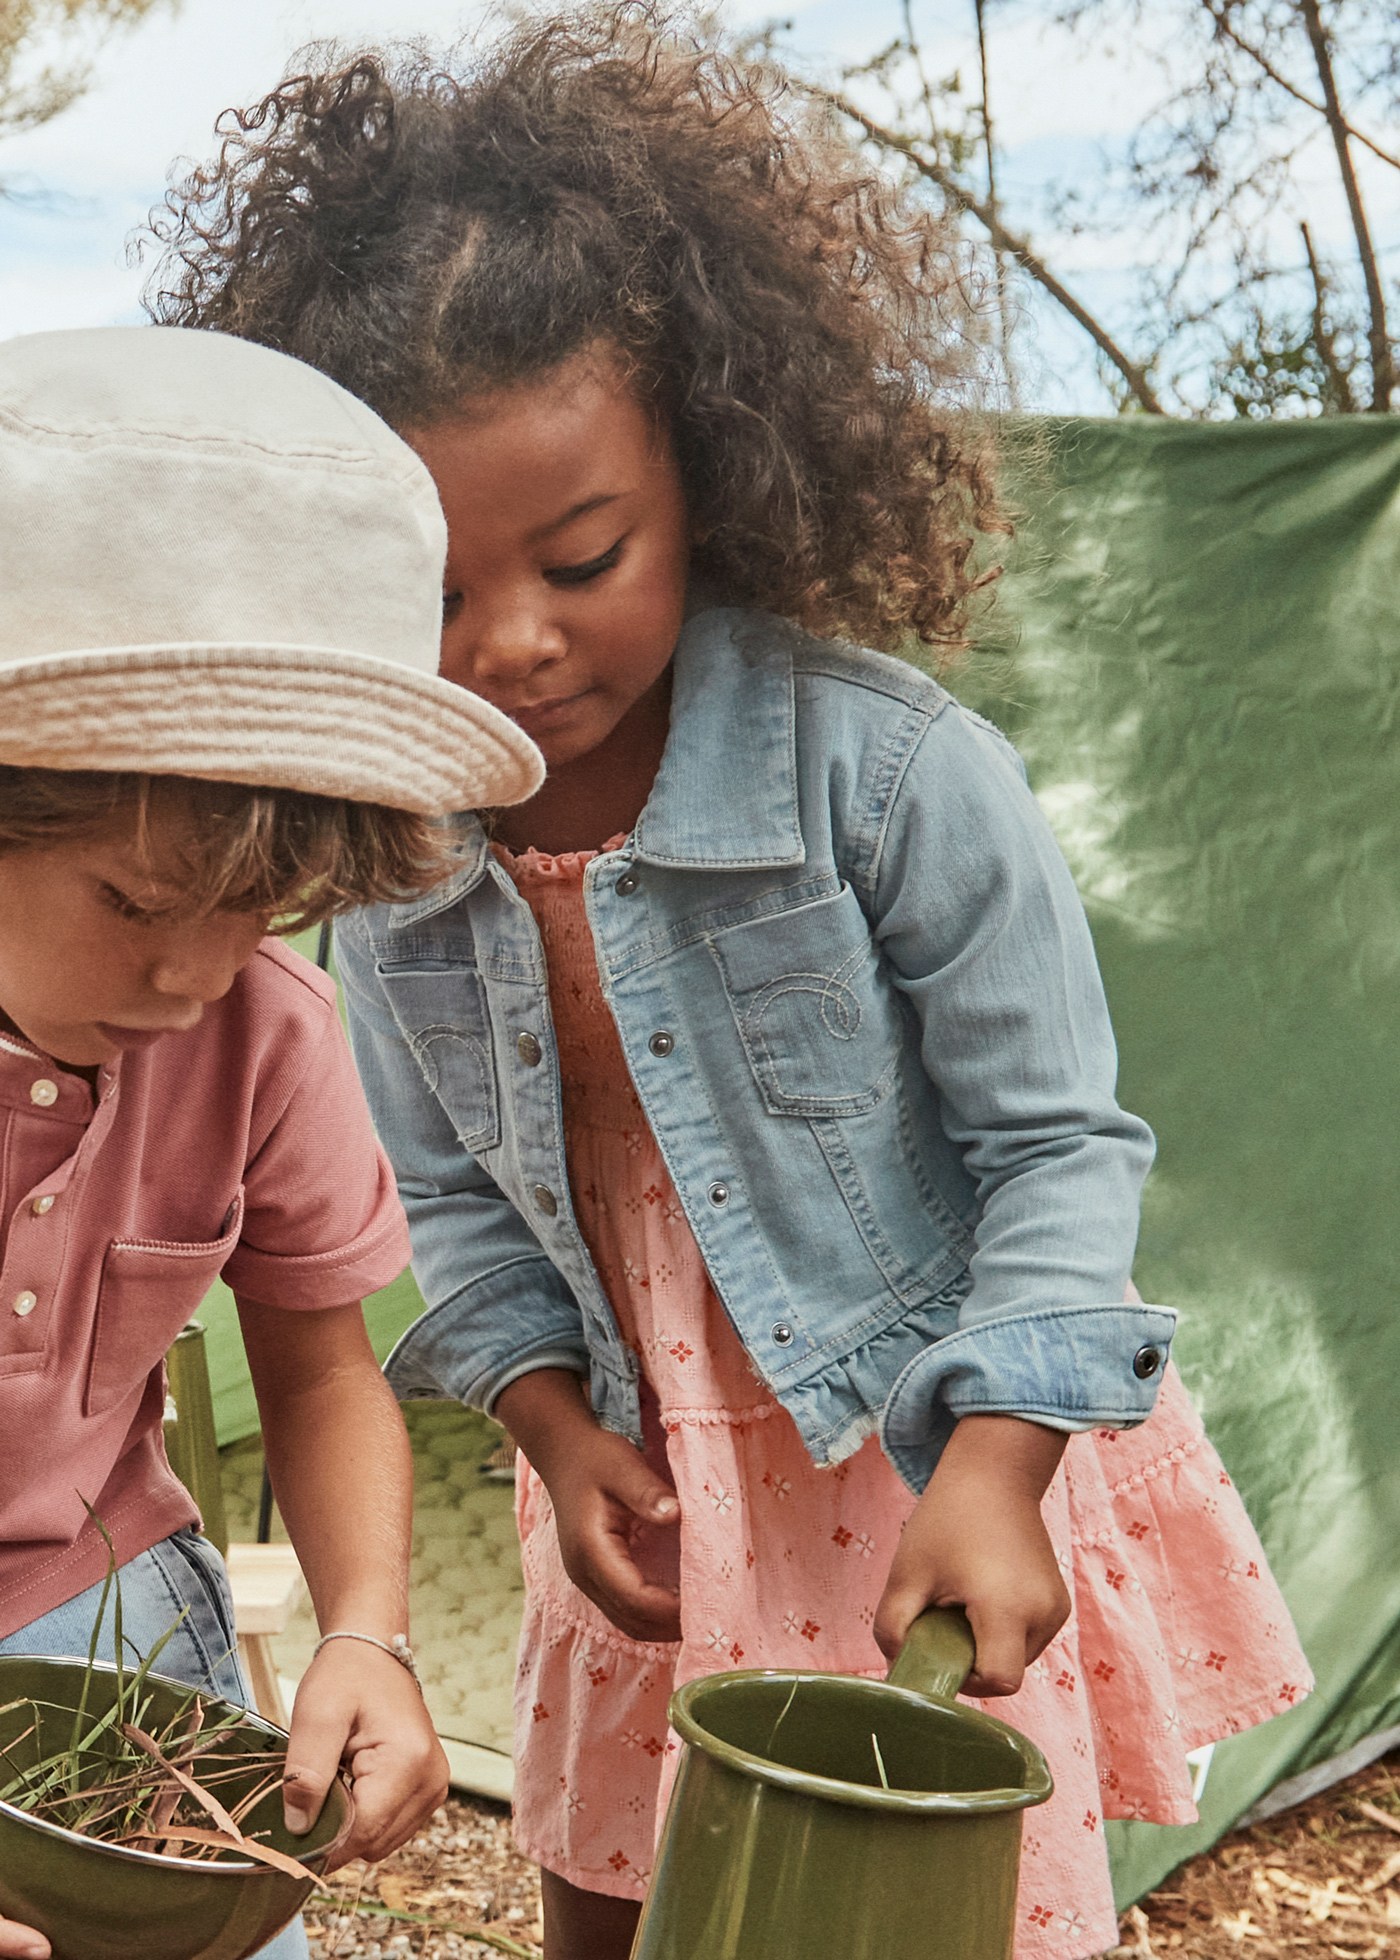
1204	680
1197	650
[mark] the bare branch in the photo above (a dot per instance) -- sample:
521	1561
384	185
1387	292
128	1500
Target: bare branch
966	200
990	148
1338	382
1382	354
916	55
1227	29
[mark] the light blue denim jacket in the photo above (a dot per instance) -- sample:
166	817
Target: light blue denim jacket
859	1002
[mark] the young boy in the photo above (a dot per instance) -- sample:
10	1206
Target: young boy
219	617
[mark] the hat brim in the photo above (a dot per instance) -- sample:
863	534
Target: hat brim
281	717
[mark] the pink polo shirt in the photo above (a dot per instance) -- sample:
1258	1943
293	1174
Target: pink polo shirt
242	1148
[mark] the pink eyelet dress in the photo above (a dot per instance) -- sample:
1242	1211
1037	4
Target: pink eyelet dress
1178	1635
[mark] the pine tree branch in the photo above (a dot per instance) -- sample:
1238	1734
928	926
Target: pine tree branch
1015	247
1378	334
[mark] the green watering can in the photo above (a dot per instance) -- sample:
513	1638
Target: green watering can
825	1814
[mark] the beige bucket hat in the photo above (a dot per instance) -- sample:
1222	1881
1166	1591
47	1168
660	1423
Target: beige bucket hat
215	562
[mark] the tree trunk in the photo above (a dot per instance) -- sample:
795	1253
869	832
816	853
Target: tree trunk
1382	354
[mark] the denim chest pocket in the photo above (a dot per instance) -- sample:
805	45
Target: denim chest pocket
819	1021
441	1007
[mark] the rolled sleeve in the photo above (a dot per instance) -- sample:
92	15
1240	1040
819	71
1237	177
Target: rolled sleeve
454	1351
1068	1367
322	1221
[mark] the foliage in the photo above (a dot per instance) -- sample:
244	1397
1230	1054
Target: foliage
48	50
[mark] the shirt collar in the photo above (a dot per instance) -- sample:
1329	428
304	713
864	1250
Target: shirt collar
725	796
23	1067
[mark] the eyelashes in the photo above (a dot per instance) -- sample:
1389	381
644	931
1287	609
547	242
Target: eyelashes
591	568
565	575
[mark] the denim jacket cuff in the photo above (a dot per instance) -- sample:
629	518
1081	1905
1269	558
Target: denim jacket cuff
442	1356
1097	1365
574	1359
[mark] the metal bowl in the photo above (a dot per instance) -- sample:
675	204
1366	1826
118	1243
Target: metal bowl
96	1901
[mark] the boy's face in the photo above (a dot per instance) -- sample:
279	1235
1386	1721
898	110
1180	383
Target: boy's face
95	956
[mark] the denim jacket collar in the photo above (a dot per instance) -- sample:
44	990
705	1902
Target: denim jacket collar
725	796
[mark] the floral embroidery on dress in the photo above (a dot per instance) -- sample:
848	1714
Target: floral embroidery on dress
781	1564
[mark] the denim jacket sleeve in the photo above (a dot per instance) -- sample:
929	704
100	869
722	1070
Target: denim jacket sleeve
497	1307
978	917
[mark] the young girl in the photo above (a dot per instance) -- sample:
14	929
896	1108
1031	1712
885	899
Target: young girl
754	1073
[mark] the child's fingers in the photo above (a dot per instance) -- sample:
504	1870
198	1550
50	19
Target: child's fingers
899	1607
1001	1639
634	1483
22	1942
318	1735
634	1604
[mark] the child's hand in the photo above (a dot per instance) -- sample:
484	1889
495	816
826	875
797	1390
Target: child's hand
603	1504
363	1707
606	1499
976	1539
22	1942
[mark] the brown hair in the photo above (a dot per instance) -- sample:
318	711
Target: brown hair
423	233
298	858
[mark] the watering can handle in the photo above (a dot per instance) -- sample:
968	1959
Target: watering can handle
937	1654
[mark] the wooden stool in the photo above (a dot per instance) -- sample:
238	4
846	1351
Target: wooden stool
267	1588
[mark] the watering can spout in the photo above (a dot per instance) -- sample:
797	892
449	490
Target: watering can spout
937	1654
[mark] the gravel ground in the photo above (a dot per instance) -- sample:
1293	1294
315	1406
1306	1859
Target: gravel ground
1321	1880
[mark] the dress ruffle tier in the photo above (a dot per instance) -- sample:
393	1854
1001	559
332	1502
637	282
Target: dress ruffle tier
1178	1635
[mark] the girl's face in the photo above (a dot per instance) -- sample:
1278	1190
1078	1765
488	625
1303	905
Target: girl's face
94	957
568	547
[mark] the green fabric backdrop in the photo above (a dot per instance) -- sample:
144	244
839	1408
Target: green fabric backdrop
1196	649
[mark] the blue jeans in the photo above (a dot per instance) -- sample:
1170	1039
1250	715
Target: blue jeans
182	1571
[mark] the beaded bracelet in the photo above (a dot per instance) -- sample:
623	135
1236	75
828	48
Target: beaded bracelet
398	1647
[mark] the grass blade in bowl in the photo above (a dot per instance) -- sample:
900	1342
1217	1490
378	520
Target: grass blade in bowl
142	1821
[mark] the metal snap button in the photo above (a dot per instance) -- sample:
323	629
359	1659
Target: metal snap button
25	1302
718	1195
545	1200
1146	1362
782	1333
627	884
43	1092
527	1047
41	1207
661	1043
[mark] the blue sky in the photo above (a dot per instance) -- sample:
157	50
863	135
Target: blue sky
81	184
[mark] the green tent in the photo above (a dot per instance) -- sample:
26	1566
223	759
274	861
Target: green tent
1195	647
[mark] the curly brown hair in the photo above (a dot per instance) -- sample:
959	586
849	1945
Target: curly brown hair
426	232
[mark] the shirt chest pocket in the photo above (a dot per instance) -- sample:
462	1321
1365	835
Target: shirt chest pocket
819	1022
440	1005
149	1289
